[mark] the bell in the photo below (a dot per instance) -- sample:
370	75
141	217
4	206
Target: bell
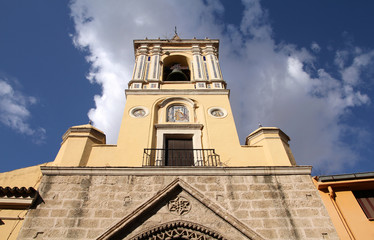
176	74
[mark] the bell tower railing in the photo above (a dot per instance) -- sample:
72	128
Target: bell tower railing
180	157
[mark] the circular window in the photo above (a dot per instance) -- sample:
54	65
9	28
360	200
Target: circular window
139	112
217	112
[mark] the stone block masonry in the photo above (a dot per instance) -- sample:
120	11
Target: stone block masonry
83	203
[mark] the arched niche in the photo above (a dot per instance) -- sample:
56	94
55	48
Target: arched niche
176	69
165	105
166	101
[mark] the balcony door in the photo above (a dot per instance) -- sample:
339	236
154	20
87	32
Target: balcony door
179	152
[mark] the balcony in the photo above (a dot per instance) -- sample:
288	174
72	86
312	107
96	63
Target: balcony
180	157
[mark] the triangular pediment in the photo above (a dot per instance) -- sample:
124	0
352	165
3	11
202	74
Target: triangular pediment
179	209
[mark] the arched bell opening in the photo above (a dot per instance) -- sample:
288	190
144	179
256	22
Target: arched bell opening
176	69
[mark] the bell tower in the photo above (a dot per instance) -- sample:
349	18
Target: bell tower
177	170
175	83
178	113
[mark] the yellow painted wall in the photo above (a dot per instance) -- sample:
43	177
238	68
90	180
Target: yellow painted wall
23	177
9	229
217	133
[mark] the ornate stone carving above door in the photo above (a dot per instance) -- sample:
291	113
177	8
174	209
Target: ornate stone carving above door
179	206
179	230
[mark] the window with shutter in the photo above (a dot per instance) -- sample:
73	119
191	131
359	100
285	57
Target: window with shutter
366	200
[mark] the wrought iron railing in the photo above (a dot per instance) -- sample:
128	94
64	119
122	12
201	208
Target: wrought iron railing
180	157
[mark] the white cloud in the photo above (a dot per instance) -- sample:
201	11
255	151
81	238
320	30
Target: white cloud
351	74
14	112
276	85
315	47
341	57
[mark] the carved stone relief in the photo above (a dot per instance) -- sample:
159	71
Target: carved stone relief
179	205
179	230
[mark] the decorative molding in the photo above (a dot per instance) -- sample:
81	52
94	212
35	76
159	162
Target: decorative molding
175	82
177	92
139	112
217	112
180	126
184	42
178	229
176	99
267	130
90	132
177	171
87	128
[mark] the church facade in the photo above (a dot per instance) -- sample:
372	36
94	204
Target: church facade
178	170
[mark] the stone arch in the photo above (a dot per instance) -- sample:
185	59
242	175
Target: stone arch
179	63
179	230
166	101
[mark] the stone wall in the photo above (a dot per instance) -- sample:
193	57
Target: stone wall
85	205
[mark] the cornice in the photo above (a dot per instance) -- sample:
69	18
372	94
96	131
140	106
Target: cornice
169	42
267	130
89	131
176	43
177	171
180	125
347	184
178	92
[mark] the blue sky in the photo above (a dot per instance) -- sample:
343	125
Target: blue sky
303	66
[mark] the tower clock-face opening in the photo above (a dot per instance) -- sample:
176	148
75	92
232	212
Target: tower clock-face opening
176	69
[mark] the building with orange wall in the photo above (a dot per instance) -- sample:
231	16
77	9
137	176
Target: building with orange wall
349	199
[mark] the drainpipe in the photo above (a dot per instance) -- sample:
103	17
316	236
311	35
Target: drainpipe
332	197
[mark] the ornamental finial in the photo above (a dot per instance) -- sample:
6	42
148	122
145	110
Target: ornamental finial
176	37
